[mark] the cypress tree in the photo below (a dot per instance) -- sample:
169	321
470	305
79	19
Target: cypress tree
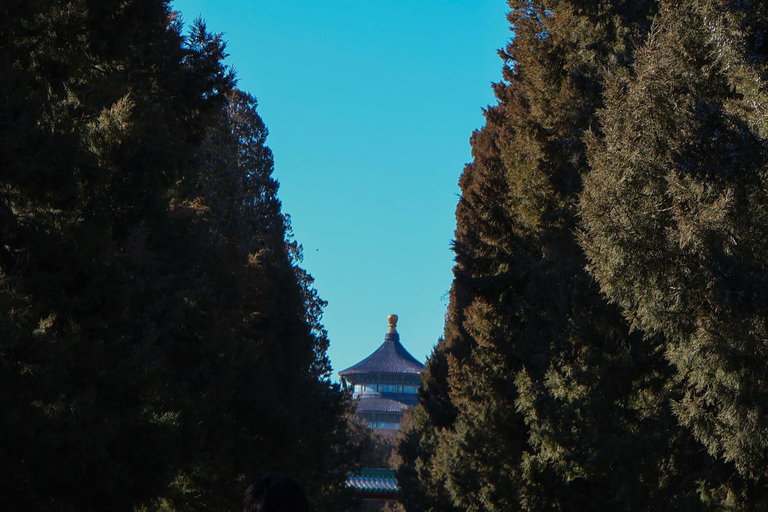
256	386
675	217
539	395
83	429
159	345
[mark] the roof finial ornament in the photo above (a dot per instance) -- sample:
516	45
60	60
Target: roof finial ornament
392	319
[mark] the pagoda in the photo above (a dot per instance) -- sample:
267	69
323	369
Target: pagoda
385	383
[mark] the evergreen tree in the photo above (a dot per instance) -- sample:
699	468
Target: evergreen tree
539	396
421	487
257	395
159	345
83	428
675	215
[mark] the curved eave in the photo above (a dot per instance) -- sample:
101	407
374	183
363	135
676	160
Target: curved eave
380	405
352	371
374	484
390	358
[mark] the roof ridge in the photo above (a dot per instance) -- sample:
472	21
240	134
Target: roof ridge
390	357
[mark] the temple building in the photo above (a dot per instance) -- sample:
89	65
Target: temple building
385	383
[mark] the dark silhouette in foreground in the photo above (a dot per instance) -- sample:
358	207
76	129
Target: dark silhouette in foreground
275	493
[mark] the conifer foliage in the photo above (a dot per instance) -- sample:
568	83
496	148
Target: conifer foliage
159	345
545	395
675	214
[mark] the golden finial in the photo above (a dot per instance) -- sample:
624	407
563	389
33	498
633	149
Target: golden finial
392	319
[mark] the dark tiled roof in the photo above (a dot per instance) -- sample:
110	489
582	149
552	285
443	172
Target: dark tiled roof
390	357
379	405
374	483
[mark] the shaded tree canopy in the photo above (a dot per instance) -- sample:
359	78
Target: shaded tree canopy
600	347
675	214
159	344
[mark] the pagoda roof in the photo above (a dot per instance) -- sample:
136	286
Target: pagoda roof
374	483
377	404
390	357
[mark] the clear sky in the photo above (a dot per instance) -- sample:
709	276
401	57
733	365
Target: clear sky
370	105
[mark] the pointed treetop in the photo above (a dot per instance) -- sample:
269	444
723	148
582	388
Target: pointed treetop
392	319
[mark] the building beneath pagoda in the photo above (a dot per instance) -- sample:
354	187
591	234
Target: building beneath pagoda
385	383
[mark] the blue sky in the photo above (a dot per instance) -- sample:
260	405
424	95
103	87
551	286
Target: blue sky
370	106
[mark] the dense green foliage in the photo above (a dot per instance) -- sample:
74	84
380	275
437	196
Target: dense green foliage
603	347
605	343
159	345
676	219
